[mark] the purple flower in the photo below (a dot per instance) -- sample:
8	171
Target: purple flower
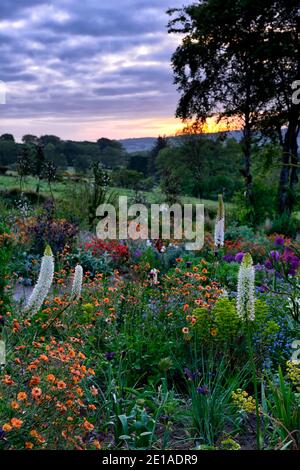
275	255
138	253
262	289
202	390
292	261
189	375
279	241
229	258
259	267
294	265
268	264
239	257
109	356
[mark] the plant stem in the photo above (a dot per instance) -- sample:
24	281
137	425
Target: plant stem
254	378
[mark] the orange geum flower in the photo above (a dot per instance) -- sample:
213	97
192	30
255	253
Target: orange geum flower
185	307
94	390
61	406
47	310
97	444
16	423
7	427
79	391
28	445
15	405
106	300
61	385
36	392
22	396
43	357
91	371
87	425
7	380
51	378
40	438
35	380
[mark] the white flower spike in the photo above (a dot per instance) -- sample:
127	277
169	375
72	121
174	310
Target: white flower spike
153	275
44	282
220	223
77	283
246	289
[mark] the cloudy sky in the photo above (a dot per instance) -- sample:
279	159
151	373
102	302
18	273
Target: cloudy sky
82	69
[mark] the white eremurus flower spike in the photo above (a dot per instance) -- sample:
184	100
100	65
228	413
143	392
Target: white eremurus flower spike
220	223
153	276
246	288
77	283
44	282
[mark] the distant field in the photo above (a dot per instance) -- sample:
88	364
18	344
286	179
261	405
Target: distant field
62	188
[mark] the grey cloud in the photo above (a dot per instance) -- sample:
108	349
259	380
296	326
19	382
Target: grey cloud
101	58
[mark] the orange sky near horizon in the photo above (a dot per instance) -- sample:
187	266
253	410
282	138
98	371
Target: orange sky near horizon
93	129
173	126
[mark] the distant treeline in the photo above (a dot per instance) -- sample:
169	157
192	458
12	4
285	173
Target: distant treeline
192	165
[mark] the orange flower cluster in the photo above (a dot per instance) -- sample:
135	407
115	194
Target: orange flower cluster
54	400
188	287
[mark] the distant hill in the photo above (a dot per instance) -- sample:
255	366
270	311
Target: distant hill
139	144
142	144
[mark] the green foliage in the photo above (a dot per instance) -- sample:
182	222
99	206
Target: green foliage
234	232
128	179
226	274
97	192
211	404
282	406
263	204
226	320
285	224
8	152
6	251
91	263
203	166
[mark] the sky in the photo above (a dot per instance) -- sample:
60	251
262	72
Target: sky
85	69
